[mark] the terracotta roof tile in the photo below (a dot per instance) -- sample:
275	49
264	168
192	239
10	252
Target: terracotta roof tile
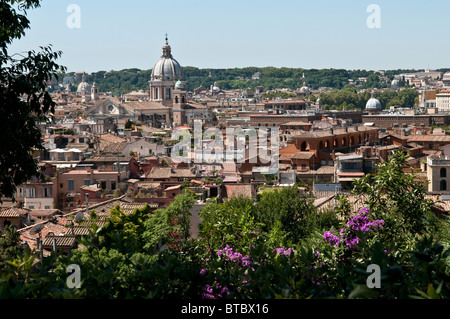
12	212
61	241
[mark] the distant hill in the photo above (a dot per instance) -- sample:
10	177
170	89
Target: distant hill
124	81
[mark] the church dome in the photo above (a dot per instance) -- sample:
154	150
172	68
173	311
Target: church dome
373	103
84	88
305	89
166	68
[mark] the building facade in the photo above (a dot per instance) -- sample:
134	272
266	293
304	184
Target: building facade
438	174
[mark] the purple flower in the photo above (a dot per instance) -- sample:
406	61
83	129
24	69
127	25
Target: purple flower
282	251
333	239
360	222
352	242
364	211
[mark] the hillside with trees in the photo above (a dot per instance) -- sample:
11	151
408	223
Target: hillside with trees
124	81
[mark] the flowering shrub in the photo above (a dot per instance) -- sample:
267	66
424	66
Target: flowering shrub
232	273
349	233
228	255
215	291
285	252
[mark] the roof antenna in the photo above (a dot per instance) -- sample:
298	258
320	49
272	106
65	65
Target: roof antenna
166	39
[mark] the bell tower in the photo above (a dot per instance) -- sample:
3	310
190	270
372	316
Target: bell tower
179	104
94	92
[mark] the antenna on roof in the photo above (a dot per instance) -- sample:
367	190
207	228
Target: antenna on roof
36	229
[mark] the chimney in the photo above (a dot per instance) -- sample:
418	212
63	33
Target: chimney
87	203
54	244
356	128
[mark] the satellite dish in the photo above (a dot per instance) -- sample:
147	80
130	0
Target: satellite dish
36	229
79	217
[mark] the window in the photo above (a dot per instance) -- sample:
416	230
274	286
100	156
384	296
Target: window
31	207
103	184
443	185
46	207
71	185
87	182
30	192
443	172
113	185
46	192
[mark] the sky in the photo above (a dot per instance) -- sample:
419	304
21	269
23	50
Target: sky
102	35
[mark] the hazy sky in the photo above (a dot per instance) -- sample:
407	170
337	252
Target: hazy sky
115	35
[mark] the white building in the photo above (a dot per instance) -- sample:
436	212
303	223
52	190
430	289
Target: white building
443	100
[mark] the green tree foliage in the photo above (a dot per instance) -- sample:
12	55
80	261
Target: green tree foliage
295	213
349	99
170	226
398	198
124	81
129	124
9	245
228	223
24	99
276	246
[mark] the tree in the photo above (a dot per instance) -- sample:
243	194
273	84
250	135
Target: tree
129	124
294	212
9	245
398	196
170	225
228	223
24	98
